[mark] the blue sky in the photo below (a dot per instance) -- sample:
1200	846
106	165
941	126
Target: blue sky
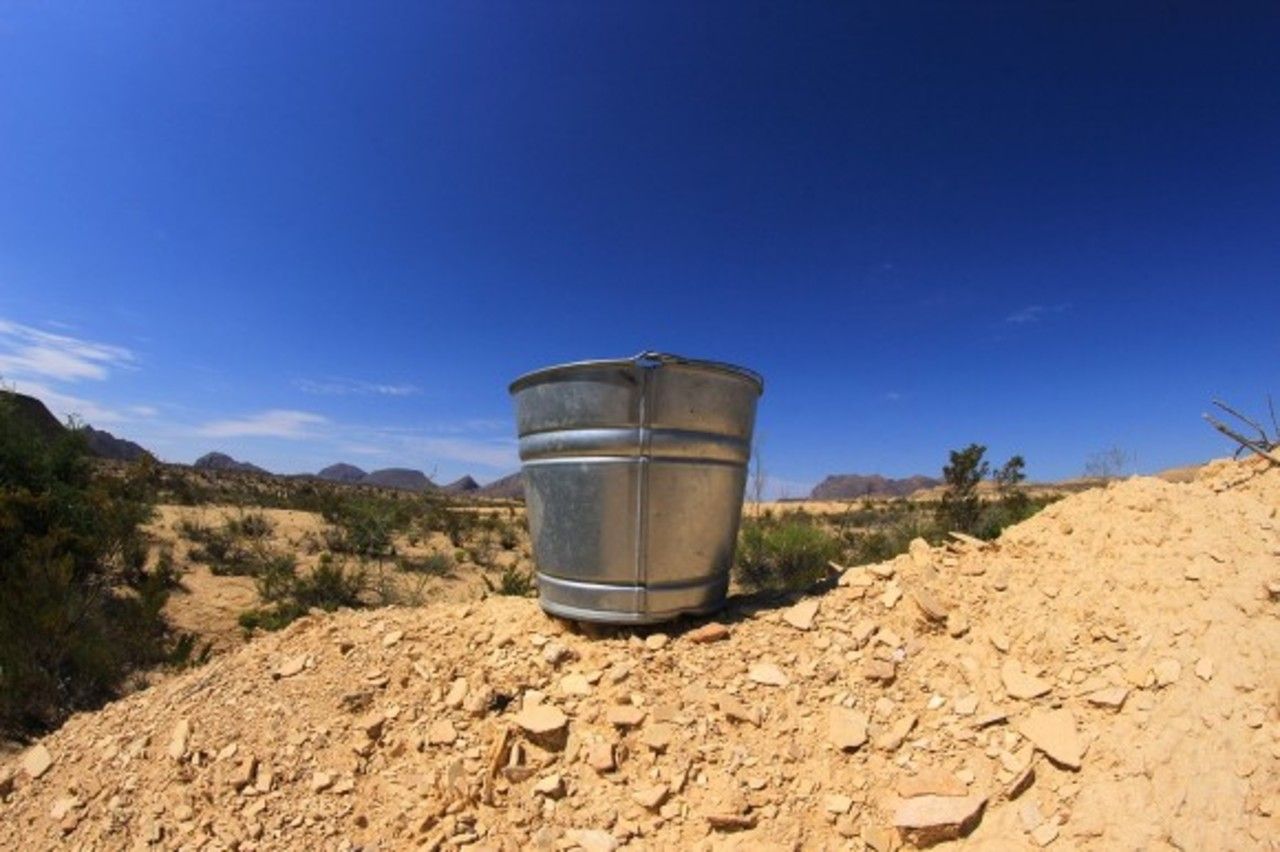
303	233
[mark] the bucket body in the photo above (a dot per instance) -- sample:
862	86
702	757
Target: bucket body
634	472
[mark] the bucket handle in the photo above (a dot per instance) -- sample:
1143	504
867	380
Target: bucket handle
650	359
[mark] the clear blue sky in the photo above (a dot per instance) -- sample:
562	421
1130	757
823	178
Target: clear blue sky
311	232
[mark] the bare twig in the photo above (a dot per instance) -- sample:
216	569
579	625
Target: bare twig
1242	418
1263	449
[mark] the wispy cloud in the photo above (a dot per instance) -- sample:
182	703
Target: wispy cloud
277	423
893	396
347	387
31	353
65	405
1033	313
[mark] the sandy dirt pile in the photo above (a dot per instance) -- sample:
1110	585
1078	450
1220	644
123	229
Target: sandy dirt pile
1105	676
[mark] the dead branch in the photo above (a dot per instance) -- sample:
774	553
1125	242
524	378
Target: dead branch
1263	449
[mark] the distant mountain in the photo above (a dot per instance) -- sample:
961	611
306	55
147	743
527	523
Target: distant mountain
399	477
101	444
465	485
850	486
342	472
33	411
508	488
222	462
105	445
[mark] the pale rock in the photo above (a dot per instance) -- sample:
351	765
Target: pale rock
879	670
736	711
957	624
966	705
767	674
847	729
1054	733
892	739
457	694
1045	834
62	806
1167	672
551	786
656	641
392	638
179	738
802	614
600	757
36	761
441	732
920	552
835	803
892	594
925	820
545	725
1204	668
1111	697
575	684
883	570
730	821
1021	685
658	736
862	632
321	781
624	715
930	606
556	653
931	781
651	797
593	840
290	667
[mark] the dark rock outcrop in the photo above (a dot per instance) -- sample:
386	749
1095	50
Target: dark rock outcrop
851	486
342	472
224	462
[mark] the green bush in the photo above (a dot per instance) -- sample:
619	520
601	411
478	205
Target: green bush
79	610
331	586
783	554
513	582
438	564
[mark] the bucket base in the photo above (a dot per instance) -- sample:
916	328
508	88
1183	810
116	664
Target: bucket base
606	604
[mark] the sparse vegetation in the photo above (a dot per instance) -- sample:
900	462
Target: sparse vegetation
288	595
79	608
783	554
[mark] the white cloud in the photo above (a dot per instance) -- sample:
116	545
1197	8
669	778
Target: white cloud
277	423
345	387
1033	313
27	352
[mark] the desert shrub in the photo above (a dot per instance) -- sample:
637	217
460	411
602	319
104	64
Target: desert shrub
961	505
513	582
783	554
331	586
253	525
508	537
364	526
438	564
79	610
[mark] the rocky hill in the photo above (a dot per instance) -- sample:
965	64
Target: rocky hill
223	462
507	488
101	443
465	485
342	472
105	445
1080	682
851	486
402	478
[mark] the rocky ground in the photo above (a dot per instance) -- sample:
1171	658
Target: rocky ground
1105	676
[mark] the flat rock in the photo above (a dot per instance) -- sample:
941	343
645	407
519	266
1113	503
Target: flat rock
457	693
1021	685
625	715
847	729
545	725
931	781
593	839
892	739
651	797
441	732
1054	733
575	684
1204	668
656	641
767	674
736	711
880	670
1111	697
658	737
712	631
802	614
925	820
1167	672
36	761
930	606
392	638
179	738
725	821
290	667
836	803
552	786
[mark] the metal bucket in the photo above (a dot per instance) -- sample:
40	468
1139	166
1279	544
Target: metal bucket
634	471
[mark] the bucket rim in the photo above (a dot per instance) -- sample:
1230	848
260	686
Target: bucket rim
647	360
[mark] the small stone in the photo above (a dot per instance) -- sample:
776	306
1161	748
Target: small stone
1020	783
178	739
1021	685
1167	672
242	776
1204	668
892	739
847	729
929	605
892	594
441	732
926	820
555	653
657	737
835	803
392	638
457	694
931	781
957	624
656	641
545	725
1000	642
967	705
1111	697
552	786
62	806
575	684
370	725
344	785
651	797
36	761
712	631
725	821
883	570
592	840
879	670
1045	834
624	715
767	674
321	781
802	614
862	632
600	757
735	711
1054	733
290	667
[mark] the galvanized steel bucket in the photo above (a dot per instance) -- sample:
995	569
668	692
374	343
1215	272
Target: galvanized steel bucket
634	471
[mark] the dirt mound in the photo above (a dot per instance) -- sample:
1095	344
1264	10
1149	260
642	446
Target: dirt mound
1105	676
